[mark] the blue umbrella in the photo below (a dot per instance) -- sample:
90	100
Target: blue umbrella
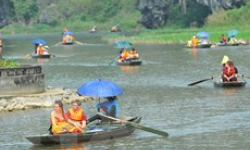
203	34
39	41
123	44
68	33
99	88
232	33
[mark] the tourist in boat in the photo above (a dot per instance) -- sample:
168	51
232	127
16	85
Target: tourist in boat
64	30
124	55
189	43
46	50
195	41
68	39
229	72
76	115
233	40
224	68
40	49
203	41
109	107
1	42
59	123
134	54
223	39
93	29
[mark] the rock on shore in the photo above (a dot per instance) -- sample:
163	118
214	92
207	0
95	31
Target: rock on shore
46	99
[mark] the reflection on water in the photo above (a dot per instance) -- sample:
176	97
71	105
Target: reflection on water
130	70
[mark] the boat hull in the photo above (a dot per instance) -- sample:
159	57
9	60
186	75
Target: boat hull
135	62
42	56
201	46
236	44
230	84
116	130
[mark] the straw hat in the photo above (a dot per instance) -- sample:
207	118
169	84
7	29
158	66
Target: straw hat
225	59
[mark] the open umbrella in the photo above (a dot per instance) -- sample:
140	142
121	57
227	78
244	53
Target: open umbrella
232	33
68	33
99	88
123	44
39	41
203	34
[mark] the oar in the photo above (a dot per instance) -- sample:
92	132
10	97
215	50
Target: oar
243	76
137	126
58	43
26	56
77	42
194	83
113	60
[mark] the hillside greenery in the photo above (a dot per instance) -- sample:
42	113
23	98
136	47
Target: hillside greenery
81	15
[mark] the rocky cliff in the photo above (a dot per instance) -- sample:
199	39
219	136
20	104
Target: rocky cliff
156	13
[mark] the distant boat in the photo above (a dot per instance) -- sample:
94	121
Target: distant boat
41	56
131	62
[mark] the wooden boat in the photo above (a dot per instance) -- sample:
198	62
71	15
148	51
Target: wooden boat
229	84
201	46
132	62
220	44
41	56
102	131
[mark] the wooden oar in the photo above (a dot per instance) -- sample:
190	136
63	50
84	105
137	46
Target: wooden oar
194	83
26	56
58	43
137	126
77	42
113	61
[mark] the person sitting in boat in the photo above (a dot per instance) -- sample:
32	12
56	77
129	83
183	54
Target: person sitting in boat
223	39
189	43
40	49
195	41
68	39
133	54
46	49
203	41
93	29
233	40
124	55
229	72
59	123
1	42
76	115
64	30
109	107
224	68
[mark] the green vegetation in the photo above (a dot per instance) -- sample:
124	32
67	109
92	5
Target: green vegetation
4	63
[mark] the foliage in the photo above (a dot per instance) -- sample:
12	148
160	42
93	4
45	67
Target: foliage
8	63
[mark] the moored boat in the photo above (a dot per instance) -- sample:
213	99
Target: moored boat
201	46
230	84
131	62
41	56
102	131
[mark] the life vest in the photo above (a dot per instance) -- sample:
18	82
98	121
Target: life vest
39	50
124	55
76	115
133	52
195	42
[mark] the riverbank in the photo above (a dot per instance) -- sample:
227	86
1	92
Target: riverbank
45	99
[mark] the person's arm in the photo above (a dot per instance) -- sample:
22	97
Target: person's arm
53	120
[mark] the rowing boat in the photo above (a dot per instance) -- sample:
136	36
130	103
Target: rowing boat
230	84
101	131
201	46
220	44
41	56
131	62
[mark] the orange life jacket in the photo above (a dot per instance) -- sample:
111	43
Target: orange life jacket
195	42
76	115
125	55
39	50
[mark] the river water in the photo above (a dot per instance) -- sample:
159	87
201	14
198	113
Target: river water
199	117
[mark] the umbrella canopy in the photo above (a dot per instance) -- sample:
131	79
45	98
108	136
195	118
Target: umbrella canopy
99	88
123	44
232	33
39	41
203	34
68	33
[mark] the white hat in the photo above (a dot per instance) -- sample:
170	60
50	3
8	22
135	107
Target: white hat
225	59
40	44
46	46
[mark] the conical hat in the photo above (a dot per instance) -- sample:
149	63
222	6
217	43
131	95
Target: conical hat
225	59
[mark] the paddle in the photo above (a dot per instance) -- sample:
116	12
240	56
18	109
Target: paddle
243	76
194	83
137	126
58	43
77	42
26	56
113	60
